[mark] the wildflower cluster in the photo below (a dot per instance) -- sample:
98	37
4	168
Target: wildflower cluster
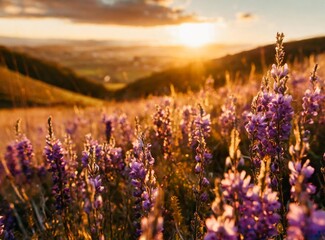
163	128
109	181
19	158
227	118
270	121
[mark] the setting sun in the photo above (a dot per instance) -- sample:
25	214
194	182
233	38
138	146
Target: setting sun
195	34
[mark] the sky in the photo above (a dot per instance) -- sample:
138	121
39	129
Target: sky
163	22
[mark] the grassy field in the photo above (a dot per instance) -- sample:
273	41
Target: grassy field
244	160
17	90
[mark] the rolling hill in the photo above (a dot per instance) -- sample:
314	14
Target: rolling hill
190	77
51	73
193	76
17	90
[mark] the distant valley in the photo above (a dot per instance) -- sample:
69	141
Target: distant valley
110	63
70	68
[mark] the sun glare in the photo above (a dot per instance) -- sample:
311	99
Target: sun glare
195	34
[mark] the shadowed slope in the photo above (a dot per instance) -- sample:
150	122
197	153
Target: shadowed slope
51	73
17	90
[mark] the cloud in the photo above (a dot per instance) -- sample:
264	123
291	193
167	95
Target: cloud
119	12
245	16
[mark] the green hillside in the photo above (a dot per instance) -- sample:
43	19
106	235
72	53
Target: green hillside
193	76
17	90
51	73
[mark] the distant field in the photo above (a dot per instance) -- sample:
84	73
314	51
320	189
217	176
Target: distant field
123	64
114	86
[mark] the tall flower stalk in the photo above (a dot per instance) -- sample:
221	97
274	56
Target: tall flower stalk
143	179
270	122
152	225
91	185
163	129
228	118
19	157
305	221
202	158
54	154
243	209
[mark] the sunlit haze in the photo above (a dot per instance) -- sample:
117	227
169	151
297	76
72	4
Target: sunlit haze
195	34
189	23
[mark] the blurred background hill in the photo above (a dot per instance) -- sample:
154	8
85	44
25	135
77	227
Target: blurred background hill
67	70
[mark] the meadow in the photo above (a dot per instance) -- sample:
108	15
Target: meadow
242	161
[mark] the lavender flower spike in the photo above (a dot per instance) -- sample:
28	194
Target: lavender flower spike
222	227
25	155
305	222
54	153
306	171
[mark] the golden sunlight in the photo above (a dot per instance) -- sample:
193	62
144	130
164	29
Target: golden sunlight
195	34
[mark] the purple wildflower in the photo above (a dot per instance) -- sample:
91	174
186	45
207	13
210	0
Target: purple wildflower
97	188
256	131
19	156
258	213
305	222
110	125
7	225
312	101
195	125
152	225
235	186
143	180
202	127
91	148
269	124
108	130
279	70
270	129
202	130
113	159
54	154
163	128
92	187
305	171
118	129
279	74
187	123
222	227
311	104
280	115
25	156
227	118
72	126
1	225
255	207
126	130
57	166
11	159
